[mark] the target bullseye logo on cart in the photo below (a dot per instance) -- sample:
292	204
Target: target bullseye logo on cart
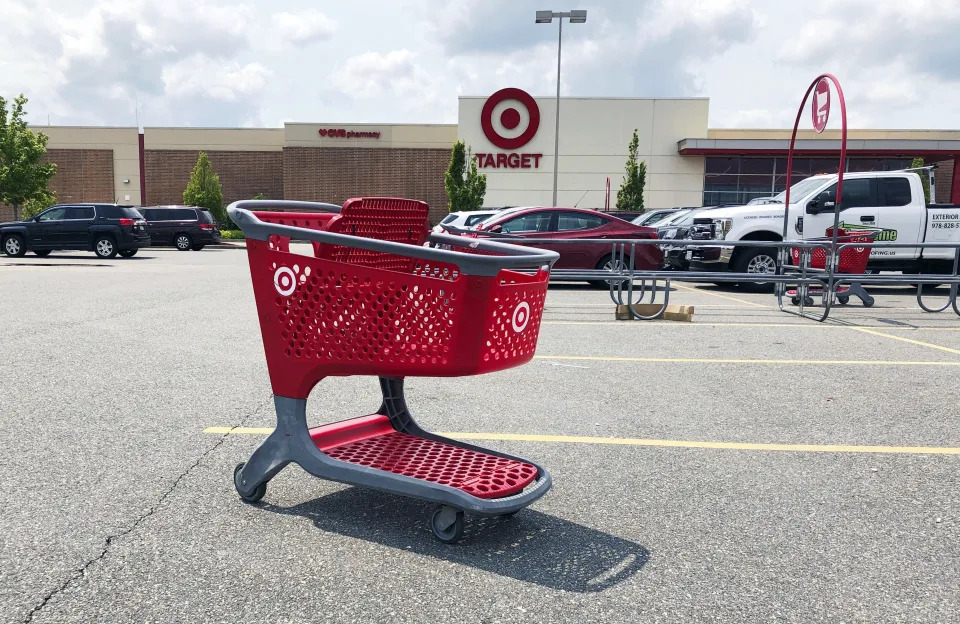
521	316
284	281
510	119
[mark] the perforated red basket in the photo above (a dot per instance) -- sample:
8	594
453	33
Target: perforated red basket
350	311
852	259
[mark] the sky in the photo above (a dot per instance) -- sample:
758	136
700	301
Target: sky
254	64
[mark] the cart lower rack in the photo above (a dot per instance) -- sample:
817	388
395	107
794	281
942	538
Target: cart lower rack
373	300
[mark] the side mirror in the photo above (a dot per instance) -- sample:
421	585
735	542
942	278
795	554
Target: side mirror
813	206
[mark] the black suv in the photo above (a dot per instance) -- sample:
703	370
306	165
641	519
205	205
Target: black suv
184	227
105	229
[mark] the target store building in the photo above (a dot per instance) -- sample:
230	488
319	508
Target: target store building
512	136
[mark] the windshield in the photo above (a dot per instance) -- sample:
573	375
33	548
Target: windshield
799	190
674	218
651	217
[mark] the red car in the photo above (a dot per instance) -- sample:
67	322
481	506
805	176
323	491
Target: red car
565	223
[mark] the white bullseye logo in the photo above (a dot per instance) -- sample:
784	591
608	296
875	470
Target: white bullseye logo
521	316
284	281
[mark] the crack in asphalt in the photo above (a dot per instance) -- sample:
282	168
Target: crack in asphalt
82	570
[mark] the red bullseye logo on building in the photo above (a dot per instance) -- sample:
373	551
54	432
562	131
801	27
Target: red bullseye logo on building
284	281
510	118
521	316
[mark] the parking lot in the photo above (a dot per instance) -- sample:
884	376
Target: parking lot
748	466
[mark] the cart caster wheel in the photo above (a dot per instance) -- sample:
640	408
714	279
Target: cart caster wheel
868	303
442	530
843	299
808	301
257	493
795	300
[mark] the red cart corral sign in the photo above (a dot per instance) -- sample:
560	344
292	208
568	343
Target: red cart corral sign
820	109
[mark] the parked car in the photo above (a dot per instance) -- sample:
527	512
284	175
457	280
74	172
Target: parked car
576	223
654	216
464	220
626	215
184	227
105	229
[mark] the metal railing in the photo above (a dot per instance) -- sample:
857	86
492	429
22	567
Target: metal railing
629	285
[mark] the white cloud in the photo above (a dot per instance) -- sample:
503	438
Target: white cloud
202	76
229	62
302	28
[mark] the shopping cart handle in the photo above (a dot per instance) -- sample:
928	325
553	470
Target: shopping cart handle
284	205
513	256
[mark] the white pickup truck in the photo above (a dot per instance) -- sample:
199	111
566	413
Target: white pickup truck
890	203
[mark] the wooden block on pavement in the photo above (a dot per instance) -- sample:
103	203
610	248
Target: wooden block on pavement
682	313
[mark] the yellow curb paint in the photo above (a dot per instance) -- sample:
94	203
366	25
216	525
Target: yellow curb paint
728	298
593	358
866	330
736	446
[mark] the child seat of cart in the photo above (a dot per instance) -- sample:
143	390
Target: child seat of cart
390	219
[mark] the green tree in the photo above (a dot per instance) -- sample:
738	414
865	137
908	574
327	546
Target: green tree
465	186
38	204
924	178
204	191
23	174
630	195
259	196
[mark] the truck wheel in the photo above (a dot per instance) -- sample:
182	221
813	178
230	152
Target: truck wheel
759	260
13	246
104	247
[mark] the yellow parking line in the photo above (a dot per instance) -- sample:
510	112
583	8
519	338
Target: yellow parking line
799	325
713	294
596	358
902	339
737	446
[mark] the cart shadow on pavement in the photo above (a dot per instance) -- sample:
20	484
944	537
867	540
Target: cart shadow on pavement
531	546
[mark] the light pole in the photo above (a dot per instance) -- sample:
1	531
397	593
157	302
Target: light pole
546	17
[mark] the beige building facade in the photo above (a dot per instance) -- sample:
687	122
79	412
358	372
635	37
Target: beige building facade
512	135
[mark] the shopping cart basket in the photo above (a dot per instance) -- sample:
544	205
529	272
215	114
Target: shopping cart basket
372	299
852	260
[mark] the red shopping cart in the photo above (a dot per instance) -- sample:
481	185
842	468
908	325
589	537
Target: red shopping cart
372	299
852	261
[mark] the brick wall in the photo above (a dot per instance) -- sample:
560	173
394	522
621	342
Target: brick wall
335	174
945	181
242	174
83	175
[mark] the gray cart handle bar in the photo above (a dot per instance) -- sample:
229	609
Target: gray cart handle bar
514	256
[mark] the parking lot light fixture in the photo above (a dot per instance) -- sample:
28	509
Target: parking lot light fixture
578	16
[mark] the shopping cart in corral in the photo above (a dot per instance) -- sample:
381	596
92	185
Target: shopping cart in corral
852	261
372	299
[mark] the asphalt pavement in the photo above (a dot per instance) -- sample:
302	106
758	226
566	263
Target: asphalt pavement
748	466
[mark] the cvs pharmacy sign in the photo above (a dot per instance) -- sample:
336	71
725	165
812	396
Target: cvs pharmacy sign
510	119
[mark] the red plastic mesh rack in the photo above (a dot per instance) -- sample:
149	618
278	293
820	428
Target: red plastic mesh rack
852	259
391	309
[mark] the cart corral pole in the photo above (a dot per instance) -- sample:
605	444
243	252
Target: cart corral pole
820	114
606	202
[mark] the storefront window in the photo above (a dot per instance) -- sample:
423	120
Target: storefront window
738	179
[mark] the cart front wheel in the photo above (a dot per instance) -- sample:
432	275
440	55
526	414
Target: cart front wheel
257	493
843	299
868	302
447	525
